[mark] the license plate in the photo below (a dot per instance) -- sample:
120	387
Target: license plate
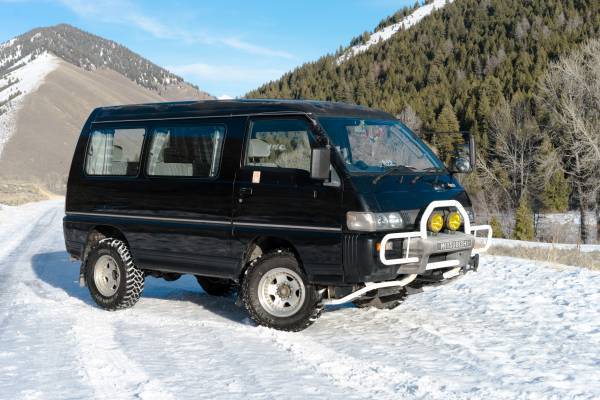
454	245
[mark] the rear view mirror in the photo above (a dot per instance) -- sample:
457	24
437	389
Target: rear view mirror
320	162
456	150
463	157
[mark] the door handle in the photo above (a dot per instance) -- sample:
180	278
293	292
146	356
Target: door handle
244	193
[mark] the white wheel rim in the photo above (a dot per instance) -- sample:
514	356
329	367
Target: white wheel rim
106	275
281	292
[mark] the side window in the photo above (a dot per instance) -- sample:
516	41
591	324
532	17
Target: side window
192	151
114	152
279	143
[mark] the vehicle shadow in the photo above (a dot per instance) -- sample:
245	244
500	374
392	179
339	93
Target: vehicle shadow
57	270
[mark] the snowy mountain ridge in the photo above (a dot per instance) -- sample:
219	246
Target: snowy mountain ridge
387	32
24	77
50	80
89	52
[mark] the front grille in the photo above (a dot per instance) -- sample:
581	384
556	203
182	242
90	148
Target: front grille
350	250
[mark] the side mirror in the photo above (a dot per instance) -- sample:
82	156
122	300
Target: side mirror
463	157
320	163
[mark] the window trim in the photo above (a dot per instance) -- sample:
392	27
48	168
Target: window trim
248	134
115	127
152	130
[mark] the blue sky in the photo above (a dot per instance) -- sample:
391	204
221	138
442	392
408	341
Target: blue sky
225	47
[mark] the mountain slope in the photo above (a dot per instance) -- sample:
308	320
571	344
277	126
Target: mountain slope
92	52
50	80
387	31
48	122
472	54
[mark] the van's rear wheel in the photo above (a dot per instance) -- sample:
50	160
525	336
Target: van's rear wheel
278	295
111	276
216	286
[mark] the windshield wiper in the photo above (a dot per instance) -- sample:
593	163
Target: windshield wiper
391	170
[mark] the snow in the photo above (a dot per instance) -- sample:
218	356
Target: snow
11	57
387	32
30	75
225	97
516	329
584	248
8	43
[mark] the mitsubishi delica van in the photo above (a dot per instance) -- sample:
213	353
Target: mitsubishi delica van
293	205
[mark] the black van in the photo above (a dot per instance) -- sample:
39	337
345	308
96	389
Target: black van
294	204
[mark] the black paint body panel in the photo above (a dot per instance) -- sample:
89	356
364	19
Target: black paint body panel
200	225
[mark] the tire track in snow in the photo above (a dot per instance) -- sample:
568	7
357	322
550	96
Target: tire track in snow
21	241
109	371
370	379
250	357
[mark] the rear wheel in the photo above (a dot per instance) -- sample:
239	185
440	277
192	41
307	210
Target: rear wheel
277	294
216	286
111	275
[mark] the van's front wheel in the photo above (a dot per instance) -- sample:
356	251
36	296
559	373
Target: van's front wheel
278	295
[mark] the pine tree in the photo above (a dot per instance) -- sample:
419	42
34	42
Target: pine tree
555	191
497	231
555	196
446	122
524	221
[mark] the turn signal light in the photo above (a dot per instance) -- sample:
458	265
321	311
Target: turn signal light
388	246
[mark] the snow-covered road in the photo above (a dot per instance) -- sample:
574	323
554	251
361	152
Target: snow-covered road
515	330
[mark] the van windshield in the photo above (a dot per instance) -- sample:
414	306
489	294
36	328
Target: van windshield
373	146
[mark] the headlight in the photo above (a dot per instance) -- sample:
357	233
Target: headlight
435	223
453	221
371	222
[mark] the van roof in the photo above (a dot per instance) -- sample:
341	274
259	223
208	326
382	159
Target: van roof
220	108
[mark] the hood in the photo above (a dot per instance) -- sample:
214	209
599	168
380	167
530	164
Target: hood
408	192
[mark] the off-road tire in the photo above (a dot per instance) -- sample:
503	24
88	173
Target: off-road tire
131	283
308	312
216	286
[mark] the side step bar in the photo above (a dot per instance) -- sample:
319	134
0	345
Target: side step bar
368	287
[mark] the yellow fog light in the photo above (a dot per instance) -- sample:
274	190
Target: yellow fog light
453	221
435	223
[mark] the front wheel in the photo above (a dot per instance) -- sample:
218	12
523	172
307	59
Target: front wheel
277	294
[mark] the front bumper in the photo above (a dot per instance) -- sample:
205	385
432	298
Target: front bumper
418	252
412	284
428	245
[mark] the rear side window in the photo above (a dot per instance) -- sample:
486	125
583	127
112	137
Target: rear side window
188	151
114	152
279	143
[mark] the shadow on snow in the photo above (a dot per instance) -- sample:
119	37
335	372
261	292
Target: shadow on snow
57	270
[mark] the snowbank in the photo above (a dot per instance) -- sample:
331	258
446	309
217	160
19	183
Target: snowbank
561	246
